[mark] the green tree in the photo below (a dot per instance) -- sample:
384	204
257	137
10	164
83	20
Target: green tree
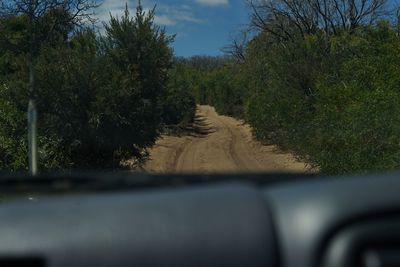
100	100
134	68
179	104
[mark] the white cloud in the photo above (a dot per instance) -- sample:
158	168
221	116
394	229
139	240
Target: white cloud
164	20
115	7
179	14
213	2
165	15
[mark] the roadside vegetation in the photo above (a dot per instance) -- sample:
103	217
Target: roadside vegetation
320	79
102	100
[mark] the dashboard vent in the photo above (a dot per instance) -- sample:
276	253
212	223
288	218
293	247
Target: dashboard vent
372	243
380	257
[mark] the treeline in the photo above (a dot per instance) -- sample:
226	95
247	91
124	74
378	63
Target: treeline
318	78
102	100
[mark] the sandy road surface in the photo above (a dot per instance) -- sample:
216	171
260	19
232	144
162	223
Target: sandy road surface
218	144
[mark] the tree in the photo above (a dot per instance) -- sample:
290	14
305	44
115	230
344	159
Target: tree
101	99
179	105
62	13
237	47
307	16
136	57
80	10
52	14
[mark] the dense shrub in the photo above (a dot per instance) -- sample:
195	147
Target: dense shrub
357	113
179	105
101	100
331	100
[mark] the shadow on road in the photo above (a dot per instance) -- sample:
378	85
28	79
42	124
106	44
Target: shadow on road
200	128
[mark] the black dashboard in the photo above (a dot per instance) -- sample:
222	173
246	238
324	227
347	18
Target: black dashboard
254	220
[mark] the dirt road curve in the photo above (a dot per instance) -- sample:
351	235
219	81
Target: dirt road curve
218	144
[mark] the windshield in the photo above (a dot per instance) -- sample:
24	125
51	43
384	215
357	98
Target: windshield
199	86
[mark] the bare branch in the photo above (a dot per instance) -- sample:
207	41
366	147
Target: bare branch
282	17
81	10
237	48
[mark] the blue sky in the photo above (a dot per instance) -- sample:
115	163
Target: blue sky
202	27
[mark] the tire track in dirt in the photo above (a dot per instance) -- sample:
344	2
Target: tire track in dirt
218	144
171	166
232	148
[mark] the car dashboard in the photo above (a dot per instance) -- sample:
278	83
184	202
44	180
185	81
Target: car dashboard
230	220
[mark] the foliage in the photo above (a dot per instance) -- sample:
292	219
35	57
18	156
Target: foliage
101	100
357	121
179	105
328	93
331	100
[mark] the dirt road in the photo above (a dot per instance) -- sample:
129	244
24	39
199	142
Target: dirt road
218	144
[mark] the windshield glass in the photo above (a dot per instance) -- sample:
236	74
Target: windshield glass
199	86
